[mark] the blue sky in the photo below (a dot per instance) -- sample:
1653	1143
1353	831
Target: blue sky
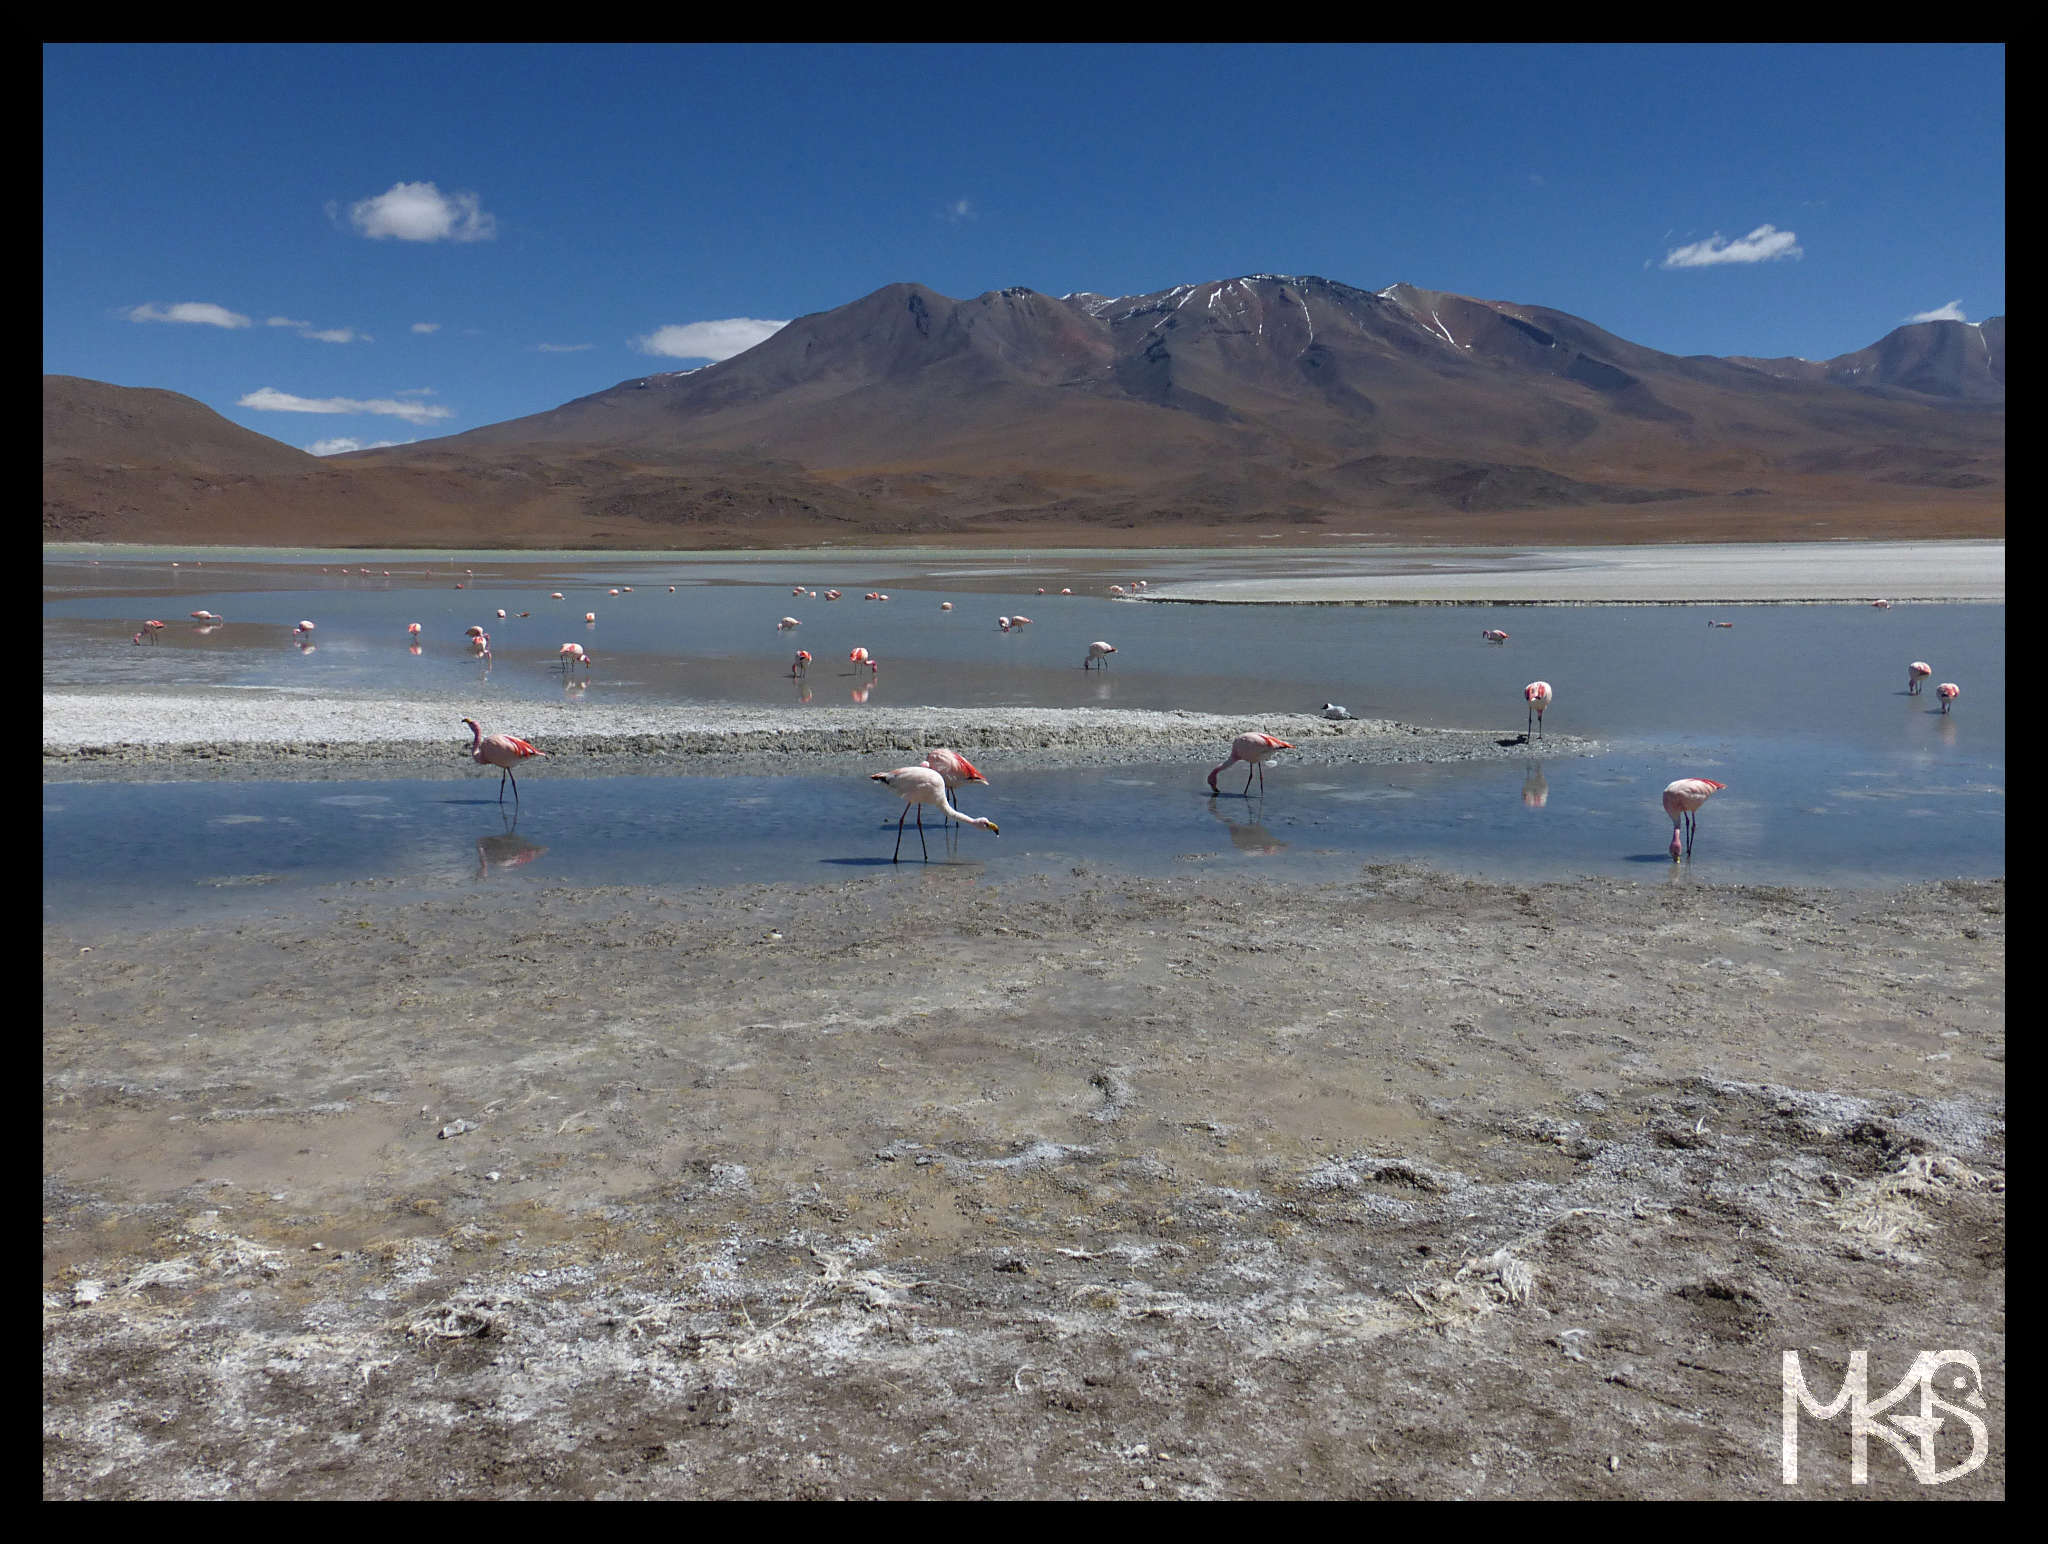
415	240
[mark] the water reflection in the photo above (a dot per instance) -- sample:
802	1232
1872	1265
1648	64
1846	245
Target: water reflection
1535	788
1247	835
507	849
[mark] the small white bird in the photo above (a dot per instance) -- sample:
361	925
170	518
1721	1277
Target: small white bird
1333	710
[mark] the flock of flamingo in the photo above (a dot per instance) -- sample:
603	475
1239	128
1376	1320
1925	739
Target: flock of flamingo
944	771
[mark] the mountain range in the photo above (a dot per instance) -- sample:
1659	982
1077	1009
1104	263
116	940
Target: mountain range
1260	406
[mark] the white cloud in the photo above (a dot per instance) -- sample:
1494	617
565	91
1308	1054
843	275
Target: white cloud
270	400
426	326
187	311
338	335
564	348
707	340
419	211
1952	312
956	211
343	443
414	391
284	321
1764	244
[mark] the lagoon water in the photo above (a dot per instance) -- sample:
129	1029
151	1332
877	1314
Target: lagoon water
1834	774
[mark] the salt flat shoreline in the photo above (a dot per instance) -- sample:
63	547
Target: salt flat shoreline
197	735
918	1186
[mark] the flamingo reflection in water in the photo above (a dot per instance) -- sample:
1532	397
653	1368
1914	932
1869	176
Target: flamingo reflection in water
507	850
1535	788
1247	835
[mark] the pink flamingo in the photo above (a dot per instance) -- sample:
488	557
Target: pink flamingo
954	768
802	662
573	654
1882	605
787	623
136	639
1948	691
920	786
1682	800
412	629
862	657
303	627
1916	672
945	605
480	644
208	616
1494	635
152	628
1538	695
1020	621
1098	651
554	595
1253	750
590	617
502	751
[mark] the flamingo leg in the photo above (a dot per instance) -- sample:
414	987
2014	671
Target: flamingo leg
1248	771
920	835
899	834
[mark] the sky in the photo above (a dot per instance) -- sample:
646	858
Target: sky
342	246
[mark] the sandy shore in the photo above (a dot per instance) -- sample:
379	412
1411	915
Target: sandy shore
1730	573
917	1186
128	734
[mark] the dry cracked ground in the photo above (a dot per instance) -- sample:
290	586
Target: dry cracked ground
924	1187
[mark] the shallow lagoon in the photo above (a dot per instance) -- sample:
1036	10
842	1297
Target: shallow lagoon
1835	775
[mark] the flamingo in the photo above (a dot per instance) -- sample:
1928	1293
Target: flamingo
501	613
152	627
590	616
954	768
921	786
1682	800
554	595
1720	624
1494	635
502	751
862	657
787	623
1916	672
831	595
1098	651
614	592
480	643
1020	621
1882	605
1538	695
1253	750
1066	592
207	616
945	605
1002	624
303	627
801	663
412	629
1948	691
572	654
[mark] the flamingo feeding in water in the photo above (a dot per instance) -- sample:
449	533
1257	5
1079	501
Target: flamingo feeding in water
502	751
787	623
1098	651
573	654
1494	635
1682	800
1538	695
920	786
954	768
213	616
1916	672
862	657
802	662
412	629
1948	691
303	627
1253	750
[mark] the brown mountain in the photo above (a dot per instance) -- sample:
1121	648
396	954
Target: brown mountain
1234	408
1964	361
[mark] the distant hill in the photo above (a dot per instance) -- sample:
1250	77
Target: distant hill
1962	361
1226	410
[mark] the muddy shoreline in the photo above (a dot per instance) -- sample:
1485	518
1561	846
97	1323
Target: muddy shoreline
922	1186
